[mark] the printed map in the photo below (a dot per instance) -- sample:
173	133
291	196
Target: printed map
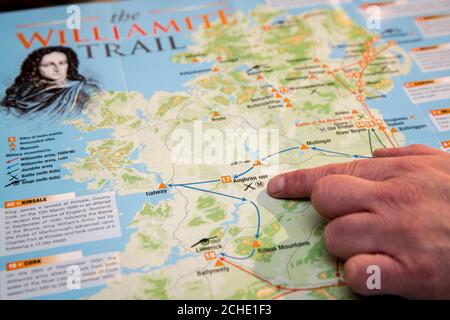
186	142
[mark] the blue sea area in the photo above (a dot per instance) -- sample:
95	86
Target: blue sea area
131	73
397	103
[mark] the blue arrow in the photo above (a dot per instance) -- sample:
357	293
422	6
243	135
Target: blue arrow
239	258
270	155
191	183
285	150
259	218
358	156
218	193
339	153
241	174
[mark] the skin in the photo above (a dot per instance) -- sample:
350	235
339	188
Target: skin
392	211
54	66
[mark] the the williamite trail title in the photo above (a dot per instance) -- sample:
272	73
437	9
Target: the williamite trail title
146	37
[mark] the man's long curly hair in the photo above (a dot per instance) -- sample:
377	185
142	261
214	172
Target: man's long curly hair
30	80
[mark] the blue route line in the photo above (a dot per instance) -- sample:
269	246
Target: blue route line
285	150
239	258
218	193
12	166
270	155
334	152
188	185
339	153
241	174
191	183
259	219
296	148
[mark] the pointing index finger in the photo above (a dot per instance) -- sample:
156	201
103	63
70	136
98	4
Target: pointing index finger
300	183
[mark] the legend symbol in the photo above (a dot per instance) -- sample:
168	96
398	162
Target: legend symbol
11	142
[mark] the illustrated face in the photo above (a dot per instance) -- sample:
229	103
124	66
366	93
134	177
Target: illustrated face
54	66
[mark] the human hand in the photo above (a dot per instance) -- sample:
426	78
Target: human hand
392	211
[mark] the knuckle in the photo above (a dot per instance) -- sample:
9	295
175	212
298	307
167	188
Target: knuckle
303	175
295	179
383	192
410	192
351	167
358	167
322	189
328	237
408	165
331	235
397	192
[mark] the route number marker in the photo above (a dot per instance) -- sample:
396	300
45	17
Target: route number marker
225	179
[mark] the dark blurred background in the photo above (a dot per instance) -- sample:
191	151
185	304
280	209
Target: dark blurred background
8	5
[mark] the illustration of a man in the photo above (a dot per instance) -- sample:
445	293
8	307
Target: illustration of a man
49	86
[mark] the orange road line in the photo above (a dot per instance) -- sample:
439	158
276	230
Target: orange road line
249	272
393	137
387	136
367	110
381	50
350	64
280	287
338	284
344	84
358	61
361	74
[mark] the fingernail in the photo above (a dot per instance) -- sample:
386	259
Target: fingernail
276	185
